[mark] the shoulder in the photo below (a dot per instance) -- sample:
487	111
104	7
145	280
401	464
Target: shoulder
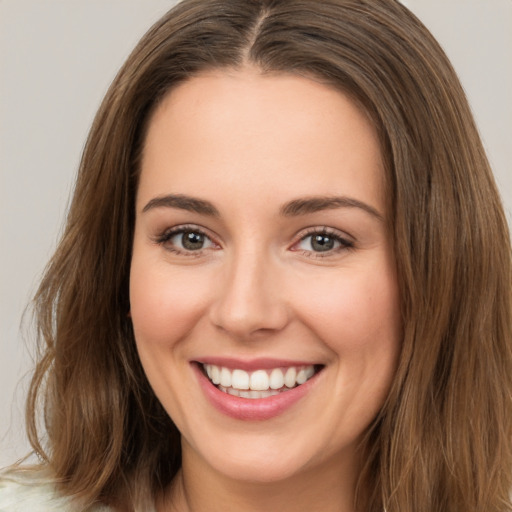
34	491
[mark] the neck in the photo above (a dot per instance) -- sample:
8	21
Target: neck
199	488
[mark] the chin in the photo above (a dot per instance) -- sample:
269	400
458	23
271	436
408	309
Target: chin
261	460
258	471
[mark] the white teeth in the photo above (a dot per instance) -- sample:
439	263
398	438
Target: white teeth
259	380
289	378
225	377
249	394
240	379
301	377
305	374
276	379
215	377
260	383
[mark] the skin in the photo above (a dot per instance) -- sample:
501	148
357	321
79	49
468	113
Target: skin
249	143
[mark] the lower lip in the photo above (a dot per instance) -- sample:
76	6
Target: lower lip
252	409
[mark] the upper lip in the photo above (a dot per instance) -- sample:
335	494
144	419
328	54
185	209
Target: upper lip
263	363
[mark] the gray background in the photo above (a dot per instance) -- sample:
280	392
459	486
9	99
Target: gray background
57	58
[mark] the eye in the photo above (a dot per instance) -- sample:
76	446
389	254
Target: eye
185	240
190	240
323	242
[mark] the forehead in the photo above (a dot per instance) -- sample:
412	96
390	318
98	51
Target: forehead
250	131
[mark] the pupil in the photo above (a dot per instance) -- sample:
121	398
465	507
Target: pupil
192	241
322	243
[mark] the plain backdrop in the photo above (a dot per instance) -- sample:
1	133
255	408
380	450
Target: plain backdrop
57	58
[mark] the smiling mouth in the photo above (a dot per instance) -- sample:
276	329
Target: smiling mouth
258	383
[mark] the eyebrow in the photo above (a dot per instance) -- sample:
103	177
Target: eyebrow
314	204
183	202
294	208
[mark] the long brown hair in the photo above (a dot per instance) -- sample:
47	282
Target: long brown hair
442	441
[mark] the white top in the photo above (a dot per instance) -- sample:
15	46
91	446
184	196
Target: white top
31	491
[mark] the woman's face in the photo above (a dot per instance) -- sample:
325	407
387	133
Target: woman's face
261	258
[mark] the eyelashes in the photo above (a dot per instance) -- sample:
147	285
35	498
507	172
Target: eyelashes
186	240
193	241
322	242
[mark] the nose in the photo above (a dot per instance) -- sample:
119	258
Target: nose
249	299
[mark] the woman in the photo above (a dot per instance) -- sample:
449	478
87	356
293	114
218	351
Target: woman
284	281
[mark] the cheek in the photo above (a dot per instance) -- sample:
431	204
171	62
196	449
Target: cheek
354	310
165	305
